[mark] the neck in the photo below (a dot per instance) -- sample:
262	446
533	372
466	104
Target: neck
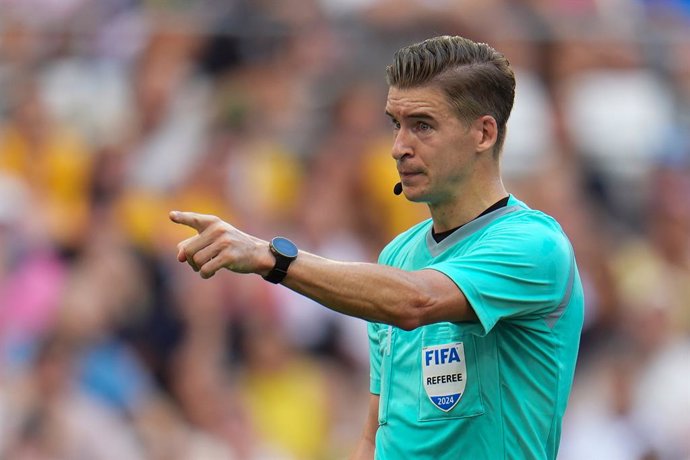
466	205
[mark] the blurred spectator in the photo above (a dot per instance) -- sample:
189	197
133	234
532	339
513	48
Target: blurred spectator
271	115
54	161
32	276
44	417
278	386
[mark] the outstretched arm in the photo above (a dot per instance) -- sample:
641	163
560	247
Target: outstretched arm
406	299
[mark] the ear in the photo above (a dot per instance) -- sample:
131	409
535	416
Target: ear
486	130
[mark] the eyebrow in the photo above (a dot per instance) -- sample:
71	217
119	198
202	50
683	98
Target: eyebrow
416	115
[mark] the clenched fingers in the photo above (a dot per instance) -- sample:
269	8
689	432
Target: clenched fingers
204	255
211	267
181	256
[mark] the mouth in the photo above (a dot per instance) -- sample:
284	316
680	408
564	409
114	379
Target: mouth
406	176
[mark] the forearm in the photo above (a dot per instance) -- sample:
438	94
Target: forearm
365	450
366	447
369	291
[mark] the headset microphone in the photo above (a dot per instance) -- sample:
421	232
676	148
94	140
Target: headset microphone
398	188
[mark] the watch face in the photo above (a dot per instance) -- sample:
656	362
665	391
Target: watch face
284	247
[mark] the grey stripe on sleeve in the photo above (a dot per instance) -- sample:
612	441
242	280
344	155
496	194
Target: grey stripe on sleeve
555	315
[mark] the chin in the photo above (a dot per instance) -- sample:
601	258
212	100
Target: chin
414	196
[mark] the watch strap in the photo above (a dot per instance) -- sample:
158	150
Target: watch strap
276	275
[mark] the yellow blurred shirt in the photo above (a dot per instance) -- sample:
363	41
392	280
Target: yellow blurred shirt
289	408
57	170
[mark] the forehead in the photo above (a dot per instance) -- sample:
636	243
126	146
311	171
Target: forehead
427	99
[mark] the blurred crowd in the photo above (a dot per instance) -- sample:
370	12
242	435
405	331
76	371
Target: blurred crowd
270	115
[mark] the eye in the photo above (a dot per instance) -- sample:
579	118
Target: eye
423	127
395	124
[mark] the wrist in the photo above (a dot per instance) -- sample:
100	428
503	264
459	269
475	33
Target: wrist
266	261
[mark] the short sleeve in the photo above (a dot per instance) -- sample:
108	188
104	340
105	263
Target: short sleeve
374	358
513	272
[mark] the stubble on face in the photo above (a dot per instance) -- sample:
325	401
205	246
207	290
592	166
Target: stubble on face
430	145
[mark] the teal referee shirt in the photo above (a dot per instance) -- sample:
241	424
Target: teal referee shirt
493	389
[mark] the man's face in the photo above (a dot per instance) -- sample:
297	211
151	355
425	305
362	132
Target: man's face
434	150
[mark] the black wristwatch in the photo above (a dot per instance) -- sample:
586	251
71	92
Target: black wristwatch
285	251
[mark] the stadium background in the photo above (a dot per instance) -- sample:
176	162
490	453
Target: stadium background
270	114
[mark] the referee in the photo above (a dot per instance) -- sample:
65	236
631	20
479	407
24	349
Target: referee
475	314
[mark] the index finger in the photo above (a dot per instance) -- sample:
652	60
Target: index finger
198	222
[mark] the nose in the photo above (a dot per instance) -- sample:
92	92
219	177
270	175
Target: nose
402	145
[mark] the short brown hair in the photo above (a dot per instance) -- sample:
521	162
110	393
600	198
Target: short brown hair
477	79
